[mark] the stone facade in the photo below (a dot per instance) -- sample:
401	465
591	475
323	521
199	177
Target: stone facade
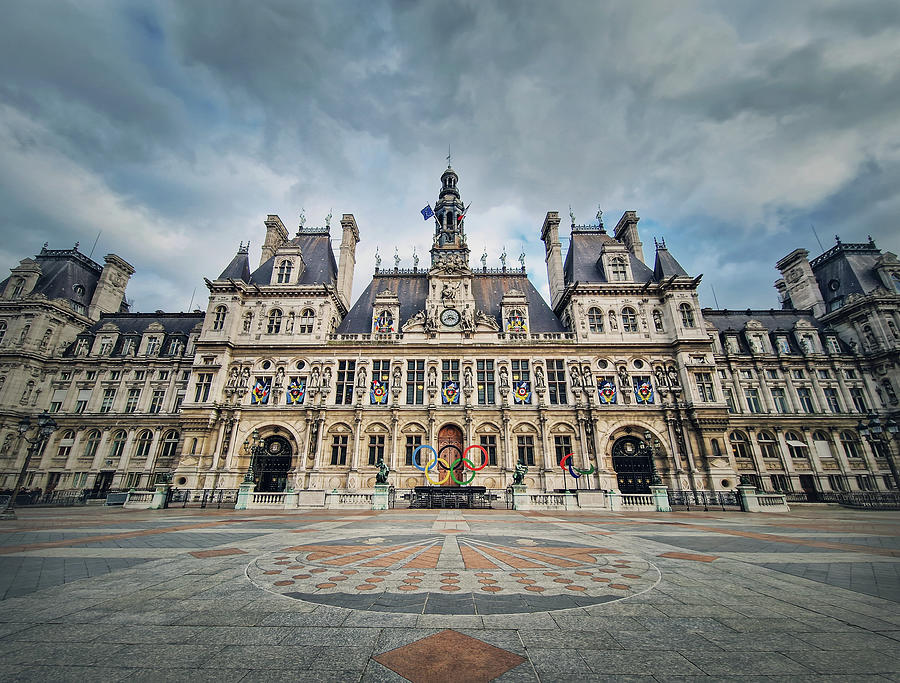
285	380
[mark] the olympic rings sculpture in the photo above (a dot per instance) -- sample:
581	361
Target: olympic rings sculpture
572	471
437	460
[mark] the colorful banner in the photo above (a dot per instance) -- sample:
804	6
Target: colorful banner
522	392
378	393
296	392
606	392
384	323
643	390
259	395
516	323
450	392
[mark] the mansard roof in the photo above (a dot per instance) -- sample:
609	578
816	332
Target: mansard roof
582	259
321	267
61	271
851	266
177	325
771	319
412	290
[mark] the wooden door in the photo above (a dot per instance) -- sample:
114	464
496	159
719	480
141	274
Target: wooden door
450	447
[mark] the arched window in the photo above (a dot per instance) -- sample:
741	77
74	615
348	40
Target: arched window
144	441
739	444
595	319
629	320
169	445
618	270
851	445
796	445
90	444
767	445
274	321
65	444
687	315
219	319
305	324
117	445
284	272
2	330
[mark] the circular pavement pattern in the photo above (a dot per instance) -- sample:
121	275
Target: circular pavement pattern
452	573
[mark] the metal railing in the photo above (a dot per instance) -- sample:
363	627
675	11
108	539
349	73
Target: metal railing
871	500
705	500
202	498
65	498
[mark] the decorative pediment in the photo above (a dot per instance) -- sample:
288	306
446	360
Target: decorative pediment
413	428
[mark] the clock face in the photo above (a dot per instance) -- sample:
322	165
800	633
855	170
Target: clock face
450	317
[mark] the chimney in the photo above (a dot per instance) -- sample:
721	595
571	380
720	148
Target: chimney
276	235
627	233
553	256
110	289
347	262
800	284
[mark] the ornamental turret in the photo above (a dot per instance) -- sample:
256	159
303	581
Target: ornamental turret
449	248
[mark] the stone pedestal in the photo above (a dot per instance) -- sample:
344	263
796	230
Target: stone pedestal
661	498
380	499
749	503
245	495
520	497
159	496
615	500
290	499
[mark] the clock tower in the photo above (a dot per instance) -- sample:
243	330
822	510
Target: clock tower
449	249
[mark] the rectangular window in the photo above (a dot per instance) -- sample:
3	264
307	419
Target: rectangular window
156	401
836	482
59	395
90	375
485	378
376	448
805	396
131	402
489	443
109	395
850	373
746	374
824	374
705	387
888	482
864	482
345	378
84	395
525	447
729	400
65	376
163	375
381	370
450	371
562	446
152	346
797	374
105	346
114	375
185	375
831	397
179	399
339	449
520	371
556	382
780	483
415	382
859	400
778	398
139	375
412	443
772	373
204	382
722	374
752	396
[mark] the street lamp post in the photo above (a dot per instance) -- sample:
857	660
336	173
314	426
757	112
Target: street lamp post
874	430
651	442
253	446
46	425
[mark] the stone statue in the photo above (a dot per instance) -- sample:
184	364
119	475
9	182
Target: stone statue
613	321
522	260
484	259
248	321
467	377
245	378
415	259
660	376
382	476
361	377
657	321
432	377
302	222
377	259
314	379
623	377
328	219
326	378
289	325
519	474
279	379
503	258
673	377
504	378
571	216
468	320
448	293
539	376
396	258
398	374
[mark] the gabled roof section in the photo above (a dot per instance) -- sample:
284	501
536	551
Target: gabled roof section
318	255
239	268
666	265
412	290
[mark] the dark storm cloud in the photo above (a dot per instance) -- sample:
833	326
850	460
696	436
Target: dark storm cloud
173	128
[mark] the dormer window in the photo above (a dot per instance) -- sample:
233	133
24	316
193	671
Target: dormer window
274	326
618	270
219	319
2	330
19	286
105	346
687	315
305	324
284	272
152	346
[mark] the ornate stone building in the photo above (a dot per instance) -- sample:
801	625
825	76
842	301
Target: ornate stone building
286	380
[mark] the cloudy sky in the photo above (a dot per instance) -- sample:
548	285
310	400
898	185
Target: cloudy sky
172	129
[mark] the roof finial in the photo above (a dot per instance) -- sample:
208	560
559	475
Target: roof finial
503	257
837	239
522	260
396	258
484	258
377	260
302	221
571	216
328	219
448	155
600	218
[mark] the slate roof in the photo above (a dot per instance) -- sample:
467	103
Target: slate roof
412	290
666	265
772	320
321	267
61	270
133	325
582	259
851	265
238	269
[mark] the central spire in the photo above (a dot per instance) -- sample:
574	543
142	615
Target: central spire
449	248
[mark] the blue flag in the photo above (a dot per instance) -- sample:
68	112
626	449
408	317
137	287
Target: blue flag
427	212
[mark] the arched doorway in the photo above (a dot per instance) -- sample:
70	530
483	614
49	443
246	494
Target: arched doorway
450	447
633	465
270	469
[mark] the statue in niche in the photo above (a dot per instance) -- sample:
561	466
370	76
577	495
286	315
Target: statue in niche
623	377
613	321
660	376
326	378
576	376
289	325
657	321
7	443
361	377
504	378
45	340
539	376
468	320
279	379
467	377
314	378
448	293
245	378
398	374
248	322
233	378
432	377
673	377
27	393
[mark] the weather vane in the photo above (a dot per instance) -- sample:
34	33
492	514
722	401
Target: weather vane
448	155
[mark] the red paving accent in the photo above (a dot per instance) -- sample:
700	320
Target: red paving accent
449	656
221	552
511	560
686	556
619	586
392	558
475	560
427	560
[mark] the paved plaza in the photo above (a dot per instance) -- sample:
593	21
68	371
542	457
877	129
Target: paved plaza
433	595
